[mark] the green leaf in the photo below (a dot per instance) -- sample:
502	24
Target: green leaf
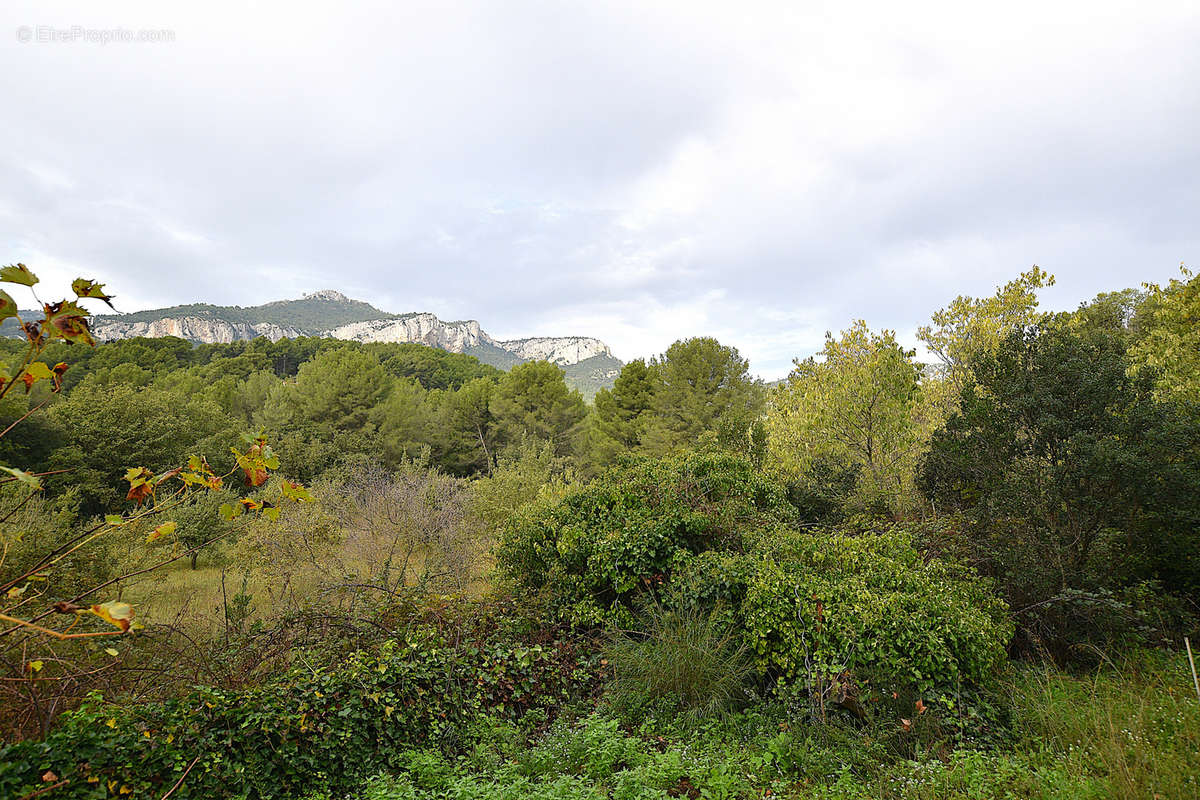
85	288
229	511
114	519
18	273
8	306
166	529
24	477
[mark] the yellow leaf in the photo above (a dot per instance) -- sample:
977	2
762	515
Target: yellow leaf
166	529
115	613
388	710
36	666
111	651
170	738
112	722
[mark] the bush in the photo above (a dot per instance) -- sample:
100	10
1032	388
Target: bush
591	553
820	605
324	727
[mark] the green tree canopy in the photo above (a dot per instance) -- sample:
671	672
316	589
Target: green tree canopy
858	406
533	401
700	386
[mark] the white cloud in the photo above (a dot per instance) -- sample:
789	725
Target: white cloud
637	171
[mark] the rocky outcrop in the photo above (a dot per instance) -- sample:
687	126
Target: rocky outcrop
556	349
420	328
196	329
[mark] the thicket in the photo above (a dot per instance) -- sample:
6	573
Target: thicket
332	727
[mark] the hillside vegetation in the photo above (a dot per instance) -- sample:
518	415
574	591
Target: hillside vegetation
314	569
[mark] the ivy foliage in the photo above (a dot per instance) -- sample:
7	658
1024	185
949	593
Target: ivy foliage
330	727
832	602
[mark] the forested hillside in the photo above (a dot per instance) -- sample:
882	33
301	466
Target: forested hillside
316	568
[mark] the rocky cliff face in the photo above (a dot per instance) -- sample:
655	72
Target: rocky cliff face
331	313
421	328
195	329
556	349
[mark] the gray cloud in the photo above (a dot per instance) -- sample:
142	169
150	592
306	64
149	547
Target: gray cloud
634	171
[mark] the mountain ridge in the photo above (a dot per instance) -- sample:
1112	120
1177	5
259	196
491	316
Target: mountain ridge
587	361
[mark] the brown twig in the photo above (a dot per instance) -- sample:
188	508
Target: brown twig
45	789
179	782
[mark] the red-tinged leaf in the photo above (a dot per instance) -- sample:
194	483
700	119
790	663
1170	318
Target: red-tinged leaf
67	320
254	476
166	476
85	288
140	486
115	613
166	529
33	332
139	494
8	306
59	369
34	372
18	273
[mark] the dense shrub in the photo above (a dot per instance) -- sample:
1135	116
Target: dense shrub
327	727
590	553
819	605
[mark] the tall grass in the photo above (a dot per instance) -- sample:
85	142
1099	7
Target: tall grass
1134	724
680	660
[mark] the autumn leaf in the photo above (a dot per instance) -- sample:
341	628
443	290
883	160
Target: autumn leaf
58	370
115	613
8	306
166	529
85	288
36	371
67	320
920	707
166	476
140	486
36	666
18	273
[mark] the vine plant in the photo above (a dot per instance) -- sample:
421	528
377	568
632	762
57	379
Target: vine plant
152	495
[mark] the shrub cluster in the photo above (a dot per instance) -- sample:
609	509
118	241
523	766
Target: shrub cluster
324	727
708	531
592	553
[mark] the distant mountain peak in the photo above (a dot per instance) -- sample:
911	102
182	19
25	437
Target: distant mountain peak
332	295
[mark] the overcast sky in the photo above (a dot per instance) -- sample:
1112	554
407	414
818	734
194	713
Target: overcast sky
635	171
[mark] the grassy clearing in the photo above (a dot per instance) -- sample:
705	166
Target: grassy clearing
1127	731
